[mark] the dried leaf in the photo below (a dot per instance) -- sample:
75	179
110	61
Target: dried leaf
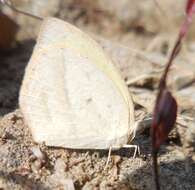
165	117
7	32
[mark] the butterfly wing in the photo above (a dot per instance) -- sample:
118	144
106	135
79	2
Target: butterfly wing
72	95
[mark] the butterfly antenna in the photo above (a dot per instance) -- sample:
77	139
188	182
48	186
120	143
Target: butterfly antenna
9	4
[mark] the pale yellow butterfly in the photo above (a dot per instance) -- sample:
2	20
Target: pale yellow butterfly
72	95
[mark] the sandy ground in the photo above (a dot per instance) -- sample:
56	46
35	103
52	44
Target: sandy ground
27	165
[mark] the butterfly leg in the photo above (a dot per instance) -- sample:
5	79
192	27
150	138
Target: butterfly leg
108	159
136	147
136	150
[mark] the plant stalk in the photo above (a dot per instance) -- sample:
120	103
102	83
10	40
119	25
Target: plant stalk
155	169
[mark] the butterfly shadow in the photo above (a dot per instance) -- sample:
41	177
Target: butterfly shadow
12	66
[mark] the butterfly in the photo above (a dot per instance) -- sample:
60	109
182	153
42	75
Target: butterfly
72	95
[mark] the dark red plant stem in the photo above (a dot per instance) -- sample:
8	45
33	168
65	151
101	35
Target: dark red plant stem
162	87
174	53
155	162
155	169
165	110
155	159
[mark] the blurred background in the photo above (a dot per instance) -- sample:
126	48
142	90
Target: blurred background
139	36
133	23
